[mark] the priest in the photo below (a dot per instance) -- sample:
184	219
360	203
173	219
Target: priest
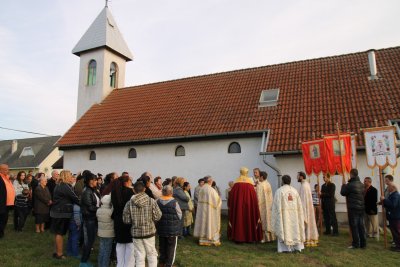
265	198
287	218
244	216
207	226
311	230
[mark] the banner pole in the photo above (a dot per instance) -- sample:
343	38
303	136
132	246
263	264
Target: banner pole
319	207
383	208
343	178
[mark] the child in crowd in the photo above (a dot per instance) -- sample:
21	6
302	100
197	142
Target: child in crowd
74	233
188	217
105	231
22	208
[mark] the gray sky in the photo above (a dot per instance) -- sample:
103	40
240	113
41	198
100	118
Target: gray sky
169	39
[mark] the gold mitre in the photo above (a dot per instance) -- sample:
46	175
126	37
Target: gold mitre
244	171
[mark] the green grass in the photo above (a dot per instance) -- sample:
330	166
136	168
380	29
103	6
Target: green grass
30	249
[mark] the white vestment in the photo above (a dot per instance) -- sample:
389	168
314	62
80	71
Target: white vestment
311	230
265	198
207	226
288	219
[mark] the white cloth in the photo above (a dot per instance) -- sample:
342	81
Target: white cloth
105	223
283	248
208	217
311	230
145	248
19	187
265	198
125	255
287	217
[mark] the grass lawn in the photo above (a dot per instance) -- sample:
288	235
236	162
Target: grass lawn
31	249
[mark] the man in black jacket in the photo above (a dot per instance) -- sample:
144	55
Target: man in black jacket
371	208
354	192
328	205
90	202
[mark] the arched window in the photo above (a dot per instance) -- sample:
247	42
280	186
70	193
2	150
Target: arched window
179	151
91	79
132	153
92	155
113	75
234	147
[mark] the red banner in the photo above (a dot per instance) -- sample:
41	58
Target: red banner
314	156
338	158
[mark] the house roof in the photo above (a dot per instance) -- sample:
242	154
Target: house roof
41	147
314	95
103	32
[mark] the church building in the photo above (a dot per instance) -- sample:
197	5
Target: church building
214	124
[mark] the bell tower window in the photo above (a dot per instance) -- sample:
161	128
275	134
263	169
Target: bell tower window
113	75
91	80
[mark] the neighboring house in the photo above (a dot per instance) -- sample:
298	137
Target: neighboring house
214	124
37	154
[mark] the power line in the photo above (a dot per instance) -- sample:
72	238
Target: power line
22	131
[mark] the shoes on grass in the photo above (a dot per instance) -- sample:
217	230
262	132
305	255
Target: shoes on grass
58	257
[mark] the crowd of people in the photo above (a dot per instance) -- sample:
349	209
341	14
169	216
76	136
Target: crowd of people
127	214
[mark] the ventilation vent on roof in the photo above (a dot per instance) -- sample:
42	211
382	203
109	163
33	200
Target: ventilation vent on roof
27	151
269	97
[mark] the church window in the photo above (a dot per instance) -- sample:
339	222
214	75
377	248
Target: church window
132	153
234	147
179	151
269	98
113	75
92	155
91	79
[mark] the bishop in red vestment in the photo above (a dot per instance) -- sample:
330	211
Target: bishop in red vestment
244	216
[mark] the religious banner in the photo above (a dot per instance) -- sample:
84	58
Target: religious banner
314	156
338	157
380	147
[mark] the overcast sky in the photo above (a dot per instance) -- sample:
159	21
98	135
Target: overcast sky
169	39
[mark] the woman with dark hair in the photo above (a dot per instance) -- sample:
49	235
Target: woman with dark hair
187	223
146	180
121	193
19	185
108	183
90	202
167	181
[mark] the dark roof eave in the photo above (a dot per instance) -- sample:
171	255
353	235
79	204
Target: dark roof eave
167	139
78	53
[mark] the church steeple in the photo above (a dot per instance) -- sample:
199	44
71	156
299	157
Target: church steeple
103	55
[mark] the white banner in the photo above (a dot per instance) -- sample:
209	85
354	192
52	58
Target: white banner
380	146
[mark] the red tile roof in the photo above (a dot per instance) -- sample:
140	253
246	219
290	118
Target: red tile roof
314	95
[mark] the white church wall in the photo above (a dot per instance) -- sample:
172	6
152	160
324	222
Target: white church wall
201	158
291	164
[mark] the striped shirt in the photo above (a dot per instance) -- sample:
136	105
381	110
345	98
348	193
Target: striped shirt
21	201
315	198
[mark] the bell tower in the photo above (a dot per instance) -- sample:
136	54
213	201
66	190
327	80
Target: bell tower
103	55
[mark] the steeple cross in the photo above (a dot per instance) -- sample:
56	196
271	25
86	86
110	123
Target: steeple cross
106	3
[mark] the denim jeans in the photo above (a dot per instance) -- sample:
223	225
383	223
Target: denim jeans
105	248
89	232
73	239
356	221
